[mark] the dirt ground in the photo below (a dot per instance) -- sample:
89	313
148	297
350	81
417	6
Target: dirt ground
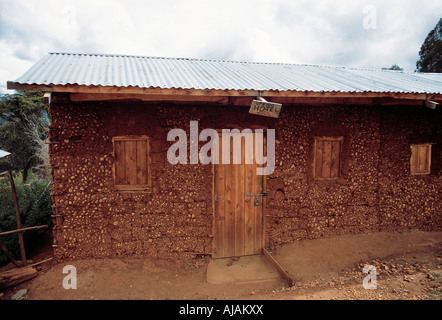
408	267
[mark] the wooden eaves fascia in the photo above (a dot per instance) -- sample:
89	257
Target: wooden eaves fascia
87	93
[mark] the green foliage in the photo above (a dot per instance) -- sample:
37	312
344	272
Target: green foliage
436	276
23	119
435	295
35	209
431	51
394	67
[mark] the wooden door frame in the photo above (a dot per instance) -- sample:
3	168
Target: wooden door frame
264	200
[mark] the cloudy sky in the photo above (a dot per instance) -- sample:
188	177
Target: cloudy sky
358	33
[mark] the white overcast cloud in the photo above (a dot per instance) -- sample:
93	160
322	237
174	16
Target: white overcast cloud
293	31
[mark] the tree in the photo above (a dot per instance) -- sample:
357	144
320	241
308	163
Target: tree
431	51
23	123
394	67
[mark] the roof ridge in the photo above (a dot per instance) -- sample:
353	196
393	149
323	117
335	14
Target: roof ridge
216	60
242	62
169	58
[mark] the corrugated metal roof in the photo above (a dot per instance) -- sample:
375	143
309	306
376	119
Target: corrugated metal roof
156	72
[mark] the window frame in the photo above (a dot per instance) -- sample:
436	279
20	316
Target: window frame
339	139
132	187
427	169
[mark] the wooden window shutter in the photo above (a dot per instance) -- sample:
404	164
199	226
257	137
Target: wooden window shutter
132	163
420	161
327	157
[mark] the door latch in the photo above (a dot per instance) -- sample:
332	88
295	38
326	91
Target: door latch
256	197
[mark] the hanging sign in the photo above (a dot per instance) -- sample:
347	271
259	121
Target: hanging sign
266	109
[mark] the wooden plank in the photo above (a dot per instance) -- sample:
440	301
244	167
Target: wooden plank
249	208
222	212
340	94
240	203
120	163
318	159
240	100
149	163
238	249
133	188
214	198
413	159
428	158
263	185
218	248
247	101
325	138
263	212
229	230
220	209
254	190
145	97
335	159
249	188
420	151
73	88
130	148
141	162
258	188
326	159
130	137
229	209
259	218
13	277
423	158
278	267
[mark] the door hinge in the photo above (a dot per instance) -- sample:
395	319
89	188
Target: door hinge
214	197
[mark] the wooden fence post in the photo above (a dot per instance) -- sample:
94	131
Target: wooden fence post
17	215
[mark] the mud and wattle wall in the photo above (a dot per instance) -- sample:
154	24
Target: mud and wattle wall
374	192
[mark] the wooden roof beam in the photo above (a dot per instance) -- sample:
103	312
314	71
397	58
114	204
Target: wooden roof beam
83	89
146	97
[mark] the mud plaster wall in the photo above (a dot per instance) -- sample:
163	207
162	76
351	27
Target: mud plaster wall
174	221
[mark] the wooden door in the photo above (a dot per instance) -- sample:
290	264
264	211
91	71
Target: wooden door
238	222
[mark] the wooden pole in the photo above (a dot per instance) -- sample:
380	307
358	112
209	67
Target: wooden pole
282	272
22	229
17	216
5	250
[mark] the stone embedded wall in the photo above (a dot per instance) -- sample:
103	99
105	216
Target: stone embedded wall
375	192
305	208
407	201
174	221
